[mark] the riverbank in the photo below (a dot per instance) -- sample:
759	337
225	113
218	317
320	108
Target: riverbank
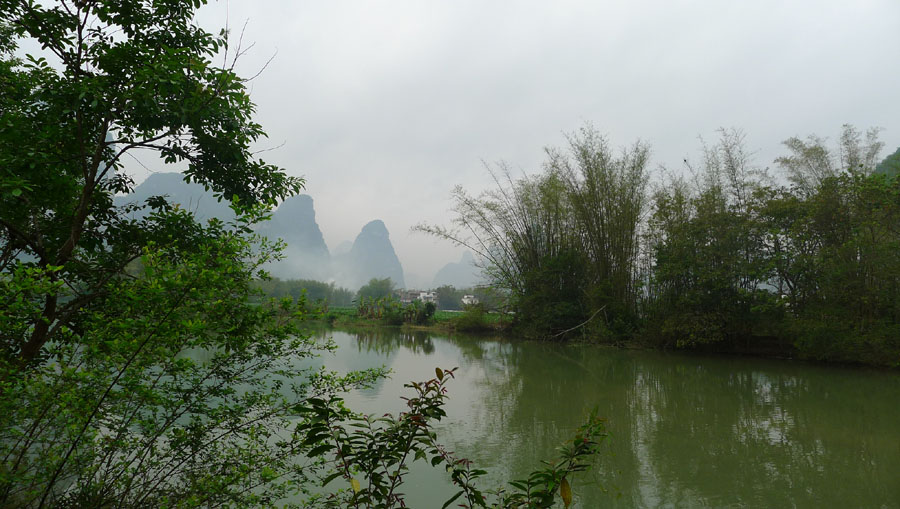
477	321
470	321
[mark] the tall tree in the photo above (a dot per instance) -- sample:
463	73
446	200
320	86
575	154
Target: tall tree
608	196
563	243
113	78
376	289
708	250
811	161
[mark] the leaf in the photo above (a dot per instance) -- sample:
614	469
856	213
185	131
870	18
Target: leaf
565	491
320	450
440	373
448	502
355	485
330	478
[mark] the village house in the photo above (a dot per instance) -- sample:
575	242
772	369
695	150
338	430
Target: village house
408	296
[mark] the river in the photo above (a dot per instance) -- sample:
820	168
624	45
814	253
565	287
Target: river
684	430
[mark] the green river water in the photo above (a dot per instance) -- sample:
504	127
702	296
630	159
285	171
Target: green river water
685	430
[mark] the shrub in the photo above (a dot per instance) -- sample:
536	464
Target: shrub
473	319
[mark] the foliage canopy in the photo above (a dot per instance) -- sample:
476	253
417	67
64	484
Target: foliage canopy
721	257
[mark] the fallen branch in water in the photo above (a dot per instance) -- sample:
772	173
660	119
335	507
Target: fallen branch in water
582	324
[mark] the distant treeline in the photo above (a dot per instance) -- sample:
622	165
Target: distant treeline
447	296
724	256
314	290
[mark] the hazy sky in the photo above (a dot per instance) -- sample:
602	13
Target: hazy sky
385	106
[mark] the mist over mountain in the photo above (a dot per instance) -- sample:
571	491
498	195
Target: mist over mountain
372	256
190	196
306	255
461	274
342	248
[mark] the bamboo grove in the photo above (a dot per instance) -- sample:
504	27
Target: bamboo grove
724	255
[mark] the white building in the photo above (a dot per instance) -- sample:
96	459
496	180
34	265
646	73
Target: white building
407	296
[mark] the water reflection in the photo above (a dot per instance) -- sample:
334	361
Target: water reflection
686	430
384	341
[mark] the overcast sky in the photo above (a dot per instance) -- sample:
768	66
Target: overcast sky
385	106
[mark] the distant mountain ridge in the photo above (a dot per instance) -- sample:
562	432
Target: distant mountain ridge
371	256
190	196
462	274
306	255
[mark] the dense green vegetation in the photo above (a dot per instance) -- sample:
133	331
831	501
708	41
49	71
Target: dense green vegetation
389	311
891	165
451	298
137	367
448	297
476	319
314	291
725	258
376	289
376	302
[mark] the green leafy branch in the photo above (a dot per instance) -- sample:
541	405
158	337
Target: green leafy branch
372	454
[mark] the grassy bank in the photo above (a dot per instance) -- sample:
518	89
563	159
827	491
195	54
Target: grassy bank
472	320
478	321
